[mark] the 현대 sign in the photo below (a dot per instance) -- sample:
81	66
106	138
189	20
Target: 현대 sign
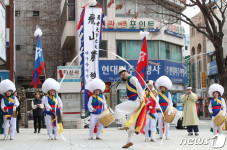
177	72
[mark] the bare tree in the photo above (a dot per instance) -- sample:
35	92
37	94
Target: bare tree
213	28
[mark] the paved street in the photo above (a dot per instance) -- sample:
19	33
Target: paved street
113	139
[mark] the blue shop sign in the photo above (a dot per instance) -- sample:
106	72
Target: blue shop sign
4	74
177	72
213	69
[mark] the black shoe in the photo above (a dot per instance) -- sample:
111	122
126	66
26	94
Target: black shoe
39	131
35	131
190	134
196	134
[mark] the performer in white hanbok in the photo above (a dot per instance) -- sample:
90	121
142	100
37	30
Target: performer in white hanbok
151	119
96	104
50	87
217	104
163	84
135	95
8	106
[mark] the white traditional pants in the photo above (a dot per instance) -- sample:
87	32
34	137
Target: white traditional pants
9	124
160	125
215	127
50	127
128	108
93	121
150	125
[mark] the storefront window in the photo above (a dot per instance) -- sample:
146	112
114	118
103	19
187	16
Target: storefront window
170	52
103	52
131	49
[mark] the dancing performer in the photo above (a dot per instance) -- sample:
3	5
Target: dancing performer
135	95
150	127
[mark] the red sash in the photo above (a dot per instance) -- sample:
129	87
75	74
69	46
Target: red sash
97	107
163	104
216	107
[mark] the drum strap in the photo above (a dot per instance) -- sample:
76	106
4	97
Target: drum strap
163	95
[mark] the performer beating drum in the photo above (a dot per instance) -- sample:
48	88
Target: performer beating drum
96	104
8	104
217	104
52	101
151	119
163	84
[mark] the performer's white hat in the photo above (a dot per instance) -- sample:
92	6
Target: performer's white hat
189	88
163	81
121	69
7	85
96	84
215	88
50	84
150	82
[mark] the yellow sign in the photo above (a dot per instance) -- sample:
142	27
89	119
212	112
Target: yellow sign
204	80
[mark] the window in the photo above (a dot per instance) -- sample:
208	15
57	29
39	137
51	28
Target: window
103	3
17	13
199	48
170	52
71	10
18	47
35	13
193	50
186	48
103	45
131	49
127	10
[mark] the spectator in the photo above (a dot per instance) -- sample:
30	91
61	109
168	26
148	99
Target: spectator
190	118
37	107
18	112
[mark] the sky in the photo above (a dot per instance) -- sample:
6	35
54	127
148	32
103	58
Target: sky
190	12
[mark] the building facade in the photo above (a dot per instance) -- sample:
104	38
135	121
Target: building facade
121	36
28	15
7	51
198	64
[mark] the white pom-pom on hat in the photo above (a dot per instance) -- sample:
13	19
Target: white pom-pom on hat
92	2
215	88
7	85
163	81
96	84
50	84
38	32
144	34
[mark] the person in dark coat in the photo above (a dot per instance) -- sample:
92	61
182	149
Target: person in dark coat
18	112
37	107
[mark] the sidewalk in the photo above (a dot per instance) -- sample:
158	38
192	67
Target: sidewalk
113	139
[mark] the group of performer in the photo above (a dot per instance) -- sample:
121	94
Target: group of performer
52	102
156	105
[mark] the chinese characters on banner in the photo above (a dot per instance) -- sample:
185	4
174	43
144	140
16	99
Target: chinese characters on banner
92	26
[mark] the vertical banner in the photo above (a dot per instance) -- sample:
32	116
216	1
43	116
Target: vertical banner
204	80
187	62
90	26
92	29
